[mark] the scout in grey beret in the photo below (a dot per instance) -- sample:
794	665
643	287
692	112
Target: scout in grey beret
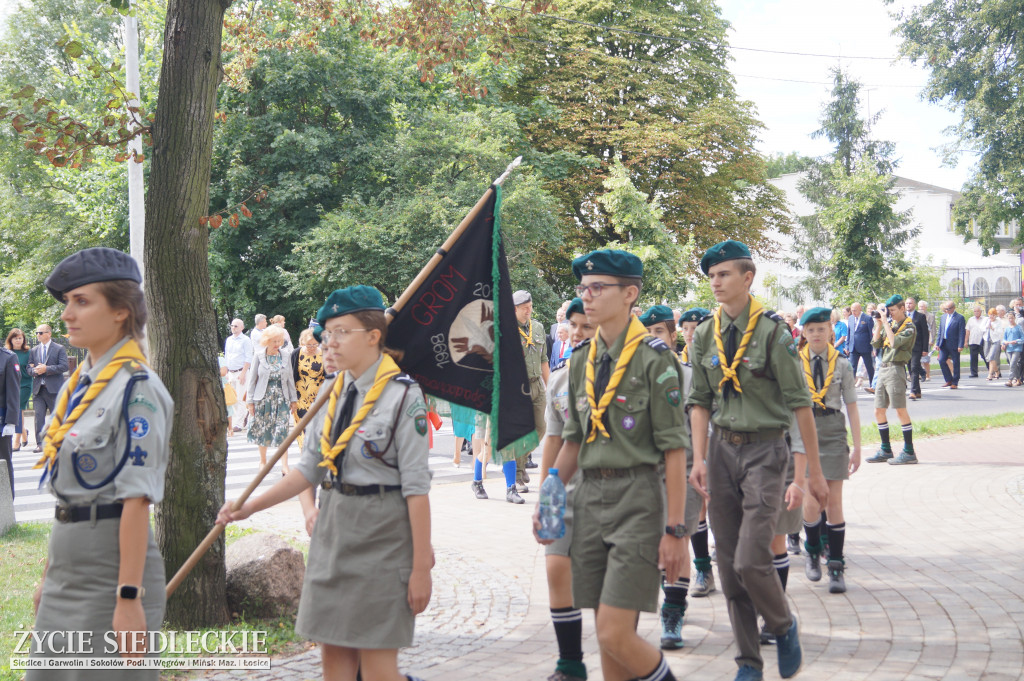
88	267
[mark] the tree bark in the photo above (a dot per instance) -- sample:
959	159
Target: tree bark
182	324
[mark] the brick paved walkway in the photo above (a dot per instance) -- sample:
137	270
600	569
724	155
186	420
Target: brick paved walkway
935	581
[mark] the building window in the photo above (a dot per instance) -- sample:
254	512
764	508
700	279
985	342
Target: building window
957	289
1003	285
980	287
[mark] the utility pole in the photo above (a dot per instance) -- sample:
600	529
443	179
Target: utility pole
136	188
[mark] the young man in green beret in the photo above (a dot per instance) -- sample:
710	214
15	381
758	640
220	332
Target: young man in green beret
894	339
745	363
625	418
535	350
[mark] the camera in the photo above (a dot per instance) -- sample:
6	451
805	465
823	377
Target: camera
876	314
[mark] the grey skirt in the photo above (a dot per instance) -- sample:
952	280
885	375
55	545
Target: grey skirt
79	595
355	593
833	449
992	350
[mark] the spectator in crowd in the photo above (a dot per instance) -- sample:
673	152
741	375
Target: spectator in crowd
562	347
841	333
237	358
308	373
18	344
993	343
976	338
950	336
796	320
278	320
552	336
270	394
257	331
47	364
926	360
920	350
790	320
464	427
1013	343
860	326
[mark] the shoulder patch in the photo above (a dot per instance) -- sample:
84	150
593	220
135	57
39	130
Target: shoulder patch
405	378
582	344
705	318
657	344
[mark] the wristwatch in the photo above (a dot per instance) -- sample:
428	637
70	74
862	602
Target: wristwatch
677	531
130	593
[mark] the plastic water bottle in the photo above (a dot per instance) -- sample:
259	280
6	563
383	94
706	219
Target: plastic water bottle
552	507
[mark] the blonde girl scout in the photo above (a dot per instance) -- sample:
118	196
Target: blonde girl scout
368	572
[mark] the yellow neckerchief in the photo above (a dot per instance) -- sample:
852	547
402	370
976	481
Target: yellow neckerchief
128	353
684	356
885	343
729	372
635	333
528	337
819	396
385	372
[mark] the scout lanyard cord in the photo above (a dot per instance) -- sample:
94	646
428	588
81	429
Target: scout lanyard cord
127	440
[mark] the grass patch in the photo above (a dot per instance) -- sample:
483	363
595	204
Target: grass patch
951	425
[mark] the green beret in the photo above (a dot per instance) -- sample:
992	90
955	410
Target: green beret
727	250
816	314
608	261
656	315
91	266
694	314
348	300
317	330
575	307
895	299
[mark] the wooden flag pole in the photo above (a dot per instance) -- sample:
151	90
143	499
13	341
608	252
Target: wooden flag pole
214	533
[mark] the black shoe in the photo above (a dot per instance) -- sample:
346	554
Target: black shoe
793	543
38	449
836	583
512	496
813	567
478	489
529	461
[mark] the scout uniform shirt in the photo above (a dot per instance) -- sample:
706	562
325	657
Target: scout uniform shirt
557	410
903	343
645	417
770	376
535	348
395	429
102	432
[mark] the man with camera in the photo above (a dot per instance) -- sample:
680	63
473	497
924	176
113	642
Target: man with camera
894	337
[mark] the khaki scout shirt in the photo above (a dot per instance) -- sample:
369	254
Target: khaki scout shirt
101	432
902	345
536	352
397	426
772	388
645	418
557	409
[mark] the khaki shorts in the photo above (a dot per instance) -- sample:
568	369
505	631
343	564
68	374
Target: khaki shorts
618	525
892	387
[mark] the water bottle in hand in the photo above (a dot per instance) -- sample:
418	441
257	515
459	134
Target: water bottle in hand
552	507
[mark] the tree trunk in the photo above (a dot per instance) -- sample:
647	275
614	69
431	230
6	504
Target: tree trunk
182	323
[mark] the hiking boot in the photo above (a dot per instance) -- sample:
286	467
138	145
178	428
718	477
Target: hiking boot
836	583
703	583
529	461
478	489
559	675
880	456
813	567
788	648
793	543
512	496
903	459
671	627
522	488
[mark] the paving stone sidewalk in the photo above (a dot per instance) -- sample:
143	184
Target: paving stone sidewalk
935	577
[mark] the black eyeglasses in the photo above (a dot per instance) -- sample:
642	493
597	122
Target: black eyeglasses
597	288
40	333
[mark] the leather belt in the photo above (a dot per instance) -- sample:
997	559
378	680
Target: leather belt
737	438
612	473
358	490
826	411
76	514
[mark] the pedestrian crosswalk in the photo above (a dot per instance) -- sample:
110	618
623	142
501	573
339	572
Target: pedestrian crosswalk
34	504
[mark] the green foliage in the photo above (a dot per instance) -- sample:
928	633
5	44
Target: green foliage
22	559
777	165
973	50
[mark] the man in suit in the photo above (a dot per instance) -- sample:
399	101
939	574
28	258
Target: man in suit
861	327
950	334
922	345
926	362
48	361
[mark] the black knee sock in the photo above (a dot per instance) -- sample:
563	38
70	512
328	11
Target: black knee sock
781	563
675	594
813	532
569	632
660	673
699	542
883	431
908	437
836	539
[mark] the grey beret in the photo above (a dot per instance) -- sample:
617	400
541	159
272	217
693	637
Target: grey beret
520	297
90	266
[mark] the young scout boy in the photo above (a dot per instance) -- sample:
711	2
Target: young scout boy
566	617
535	348
894	338
745	362
625	418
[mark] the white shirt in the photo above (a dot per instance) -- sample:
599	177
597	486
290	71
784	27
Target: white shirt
44	352
237	351
976	327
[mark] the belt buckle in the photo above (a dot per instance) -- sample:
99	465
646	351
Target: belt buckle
63	514
326	484
735	439
607	473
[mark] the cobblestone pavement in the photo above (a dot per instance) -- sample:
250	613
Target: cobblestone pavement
935	582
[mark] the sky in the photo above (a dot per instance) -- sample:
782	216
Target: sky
843	30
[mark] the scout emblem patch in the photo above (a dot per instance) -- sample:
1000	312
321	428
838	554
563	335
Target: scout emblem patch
672	394
421	424
581	403
100	412
138	456
139	427
790	345
628	422
87	463
142	402
371	448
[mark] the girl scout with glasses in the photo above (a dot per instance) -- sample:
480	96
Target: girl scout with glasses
104	457
368	573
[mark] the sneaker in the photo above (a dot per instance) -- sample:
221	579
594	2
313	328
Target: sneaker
748	673
903	459
559	675
813	567
672	627
512	496
880	456
522	488
478	489
793	543
836	583
767	637
703	584
529	461
788	648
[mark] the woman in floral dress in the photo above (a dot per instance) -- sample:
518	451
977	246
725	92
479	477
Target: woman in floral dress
270	394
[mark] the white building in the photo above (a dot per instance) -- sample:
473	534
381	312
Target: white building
967	273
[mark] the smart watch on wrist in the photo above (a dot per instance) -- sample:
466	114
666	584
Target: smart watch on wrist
130	593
